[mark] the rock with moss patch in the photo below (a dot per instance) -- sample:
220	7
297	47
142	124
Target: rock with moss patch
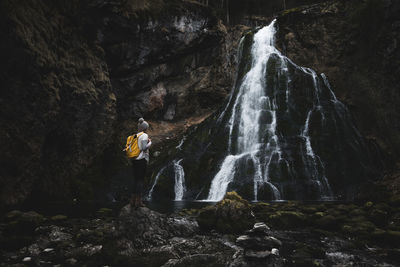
24	223
288	219
59	218
105	212
231	215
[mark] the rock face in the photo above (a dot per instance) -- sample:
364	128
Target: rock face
76	76
57	103
355	44
283	134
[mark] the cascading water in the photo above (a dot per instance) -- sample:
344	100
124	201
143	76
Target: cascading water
150	194
179	180
254	118
281	135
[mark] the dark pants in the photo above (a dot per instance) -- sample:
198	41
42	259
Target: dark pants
139	171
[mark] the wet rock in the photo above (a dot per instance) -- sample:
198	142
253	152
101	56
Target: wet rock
259	228
23	223
59	218
305	251
147	226
258	242
287	219
395	201
12	215
329	222
71	262
198	260
275	251
105	212
257	254
86	251
378	217
27	259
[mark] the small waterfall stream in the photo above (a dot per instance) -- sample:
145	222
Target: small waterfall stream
179	180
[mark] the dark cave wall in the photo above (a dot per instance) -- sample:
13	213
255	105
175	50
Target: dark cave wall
75	77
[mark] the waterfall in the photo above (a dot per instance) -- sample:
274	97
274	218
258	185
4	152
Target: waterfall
149	195
253	123
250	104
179	180
282	134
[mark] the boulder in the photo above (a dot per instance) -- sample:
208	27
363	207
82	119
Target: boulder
148	227
231	215
288	219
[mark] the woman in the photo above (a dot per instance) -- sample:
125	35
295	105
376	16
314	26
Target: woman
140	163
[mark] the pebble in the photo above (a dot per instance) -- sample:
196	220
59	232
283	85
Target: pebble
275	251
48	249
26	259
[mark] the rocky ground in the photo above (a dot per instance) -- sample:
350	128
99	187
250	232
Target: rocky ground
231	233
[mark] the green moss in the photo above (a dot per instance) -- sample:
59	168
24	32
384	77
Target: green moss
234	196
329	222
58	218
368	204
357	212
306	251
291	10
12	215
379	217
105	212
231	215
289	219
395	201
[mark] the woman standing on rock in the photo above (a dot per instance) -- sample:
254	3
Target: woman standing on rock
139	163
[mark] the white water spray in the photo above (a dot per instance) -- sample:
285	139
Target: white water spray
250	104
179	180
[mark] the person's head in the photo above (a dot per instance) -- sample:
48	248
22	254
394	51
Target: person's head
142	125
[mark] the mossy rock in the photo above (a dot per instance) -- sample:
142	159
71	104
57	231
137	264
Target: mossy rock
368	204
15	242
235	196
95	237
288	219
105	212
310	209
361	229
231	215
13	215
189	212
261	207
334	212
357	212
59	218
343	207
329	222
307	251
392	238
317	215
24	224
379	217
383	206
394	201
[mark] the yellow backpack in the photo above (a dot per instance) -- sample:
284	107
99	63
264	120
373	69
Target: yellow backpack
132	146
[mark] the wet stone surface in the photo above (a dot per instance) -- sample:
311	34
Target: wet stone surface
143	237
